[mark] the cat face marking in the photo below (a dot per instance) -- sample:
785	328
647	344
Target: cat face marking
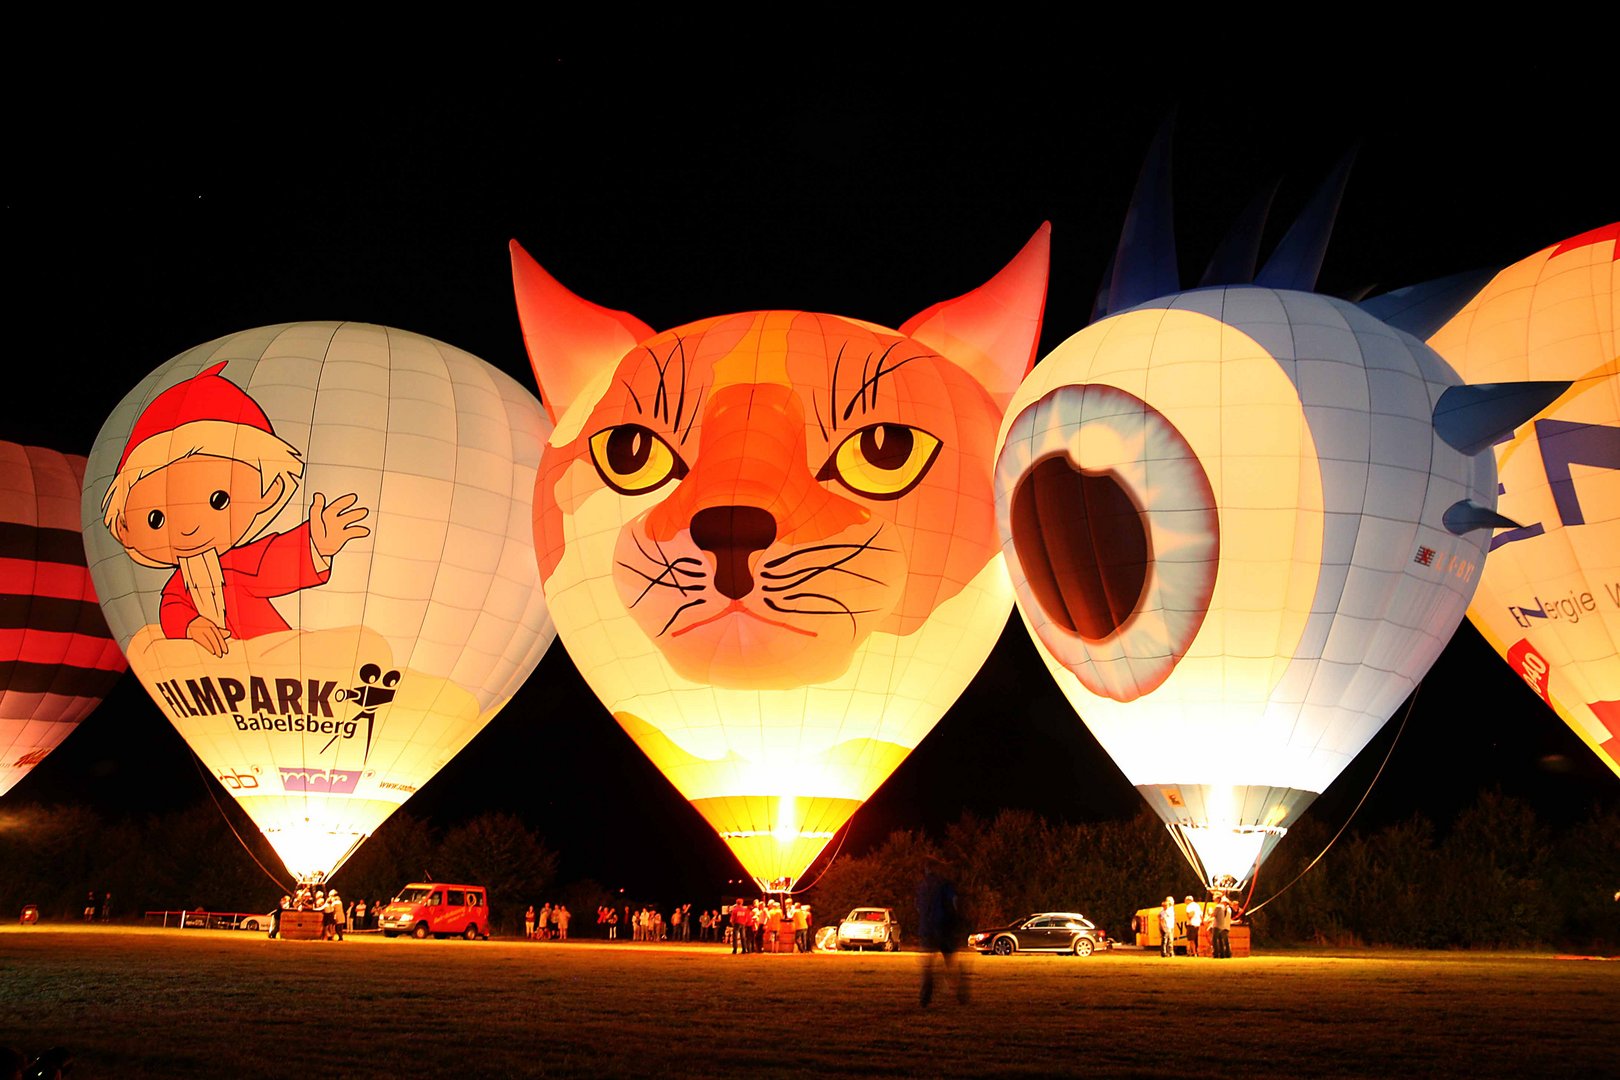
753	497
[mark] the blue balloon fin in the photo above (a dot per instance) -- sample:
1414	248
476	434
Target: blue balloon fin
1464	516
1298	259
1422	309
1099	303
1145	261
1474	418
1234	261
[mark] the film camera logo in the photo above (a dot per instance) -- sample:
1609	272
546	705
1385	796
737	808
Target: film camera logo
377	688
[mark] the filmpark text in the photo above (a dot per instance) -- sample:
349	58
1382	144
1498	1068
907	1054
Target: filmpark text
299	703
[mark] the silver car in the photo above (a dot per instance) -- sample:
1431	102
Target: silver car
869	928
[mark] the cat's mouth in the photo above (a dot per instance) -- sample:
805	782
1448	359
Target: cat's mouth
737	607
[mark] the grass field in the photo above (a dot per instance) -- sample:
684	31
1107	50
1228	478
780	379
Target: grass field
171	1003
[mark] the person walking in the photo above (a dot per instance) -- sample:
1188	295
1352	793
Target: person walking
939	931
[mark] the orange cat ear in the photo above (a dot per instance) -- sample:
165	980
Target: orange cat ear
570	340
994	330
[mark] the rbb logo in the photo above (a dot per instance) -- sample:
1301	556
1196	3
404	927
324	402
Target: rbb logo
1532	666
239	781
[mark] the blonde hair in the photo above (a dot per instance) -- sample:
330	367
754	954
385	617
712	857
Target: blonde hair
273	458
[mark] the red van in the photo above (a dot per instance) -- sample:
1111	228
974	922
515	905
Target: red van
431	907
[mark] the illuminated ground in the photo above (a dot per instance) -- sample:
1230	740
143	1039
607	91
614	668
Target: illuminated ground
155	1003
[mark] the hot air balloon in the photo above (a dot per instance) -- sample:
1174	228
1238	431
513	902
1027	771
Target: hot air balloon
57	660
313	542
1239	536
768	539
1549	601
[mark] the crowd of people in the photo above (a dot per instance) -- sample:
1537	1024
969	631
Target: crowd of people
1218	916
746	927
336	916
760	925
550	924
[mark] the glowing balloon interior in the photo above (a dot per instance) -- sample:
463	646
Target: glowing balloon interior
768	539
57	659
313	542
1549	601
1224	516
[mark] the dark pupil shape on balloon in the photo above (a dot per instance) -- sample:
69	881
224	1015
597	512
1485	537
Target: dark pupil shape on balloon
886	446
219	500
1082	544
627	448
155	519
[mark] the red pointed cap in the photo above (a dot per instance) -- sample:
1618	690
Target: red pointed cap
205	396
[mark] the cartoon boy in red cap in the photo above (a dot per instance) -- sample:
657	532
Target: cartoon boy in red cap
202	476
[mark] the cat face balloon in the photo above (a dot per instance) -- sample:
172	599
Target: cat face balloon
769	541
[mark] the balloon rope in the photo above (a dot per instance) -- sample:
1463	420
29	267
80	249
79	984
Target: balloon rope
208	787
836	850
1410	705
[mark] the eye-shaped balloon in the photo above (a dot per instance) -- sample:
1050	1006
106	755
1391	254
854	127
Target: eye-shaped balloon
313	542
1549	602
57	660
1226	517
768	539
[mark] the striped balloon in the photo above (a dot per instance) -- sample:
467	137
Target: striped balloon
57	659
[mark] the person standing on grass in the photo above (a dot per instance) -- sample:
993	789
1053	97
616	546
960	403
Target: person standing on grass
528	924
561	915
1167	927
1195	919
360	914
1221	936
739	939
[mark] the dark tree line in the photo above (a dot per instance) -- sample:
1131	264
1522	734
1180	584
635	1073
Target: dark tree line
52	855
1496	878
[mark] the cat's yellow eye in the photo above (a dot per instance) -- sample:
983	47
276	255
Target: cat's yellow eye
882	461
634	460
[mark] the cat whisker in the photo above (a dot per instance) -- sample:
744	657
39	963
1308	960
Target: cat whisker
677	614
843	608
853	549
666	577
799	577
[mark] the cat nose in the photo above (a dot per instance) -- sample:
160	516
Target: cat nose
731	534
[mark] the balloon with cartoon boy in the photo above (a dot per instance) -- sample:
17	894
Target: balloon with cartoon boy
314	542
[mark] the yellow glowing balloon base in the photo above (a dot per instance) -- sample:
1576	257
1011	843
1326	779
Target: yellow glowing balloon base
314	847
1227	853
776	837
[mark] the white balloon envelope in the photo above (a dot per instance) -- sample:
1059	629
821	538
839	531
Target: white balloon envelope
313	542
1225	516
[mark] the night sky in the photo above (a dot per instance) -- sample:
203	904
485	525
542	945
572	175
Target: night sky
166	219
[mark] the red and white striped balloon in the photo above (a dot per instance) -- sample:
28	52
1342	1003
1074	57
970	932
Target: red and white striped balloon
57	658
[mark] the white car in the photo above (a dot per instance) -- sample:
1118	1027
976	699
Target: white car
869	928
